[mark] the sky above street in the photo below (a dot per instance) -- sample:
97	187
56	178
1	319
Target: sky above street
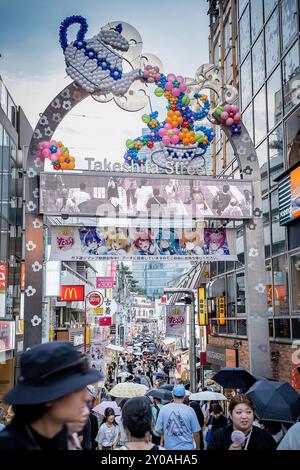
33	68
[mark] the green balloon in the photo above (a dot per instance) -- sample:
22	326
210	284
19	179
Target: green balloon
129	143
146	118
159	91
185	100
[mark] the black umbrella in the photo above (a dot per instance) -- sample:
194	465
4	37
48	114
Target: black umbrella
161	394
167	363
234	377
166	387
160	375
275	401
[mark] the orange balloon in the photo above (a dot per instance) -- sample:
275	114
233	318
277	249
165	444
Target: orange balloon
185	141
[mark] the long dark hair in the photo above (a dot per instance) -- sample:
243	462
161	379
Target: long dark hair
109	412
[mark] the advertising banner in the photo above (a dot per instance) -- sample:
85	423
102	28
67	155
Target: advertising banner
72	293
105	282
96	243
3	276
175	320
139	195
289	196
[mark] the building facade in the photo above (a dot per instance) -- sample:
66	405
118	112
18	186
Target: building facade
15	135
257	44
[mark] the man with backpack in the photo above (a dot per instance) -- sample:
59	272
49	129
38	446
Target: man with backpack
155	408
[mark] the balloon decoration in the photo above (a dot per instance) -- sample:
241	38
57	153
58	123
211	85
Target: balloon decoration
58	154
180	133
230	116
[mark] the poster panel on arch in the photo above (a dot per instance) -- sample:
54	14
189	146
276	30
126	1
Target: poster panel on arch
176	320
135	195
96	243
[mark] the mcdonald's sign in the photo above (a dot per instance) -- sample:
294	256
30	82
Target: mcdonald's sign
71	293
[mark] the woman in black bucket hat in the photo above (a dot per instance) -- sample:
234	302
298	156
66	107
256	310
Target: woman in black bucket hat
51	392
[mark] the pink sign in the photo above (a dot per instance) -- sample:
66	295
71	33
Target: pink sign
105	282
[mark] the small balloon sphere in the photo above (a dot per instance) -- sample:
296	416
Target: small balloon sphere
46	153
146	118
224	116
150	144
159	91
165	140
185	100
229	122
129	143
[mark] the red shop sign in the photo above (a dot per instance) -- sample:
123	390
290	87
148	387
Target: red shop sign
3	276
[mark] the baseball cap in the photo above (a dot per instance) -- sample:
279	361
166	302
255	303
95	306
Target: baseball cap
179	391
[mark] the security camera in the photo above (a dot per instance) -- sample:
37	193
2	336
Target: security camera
65	216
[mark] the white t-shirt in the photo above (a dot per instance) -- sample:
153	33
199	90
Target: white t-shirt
107	435
81	196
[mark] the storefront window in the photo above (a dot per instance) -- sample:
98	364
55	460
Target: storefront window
274	96
231	327
260	121
289	21
244	34
276	154
282	328
230	295
295	267
247	119
242	327
256	17
296	328
291	77
227	36
266	223
245	82
271	329
280	280
258	63
262	155
217	52
227	66
272	42
240	294
269	288
278	231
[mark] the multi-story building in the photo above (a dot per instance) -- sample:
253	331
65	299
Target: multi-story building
256	43
15	135
153	277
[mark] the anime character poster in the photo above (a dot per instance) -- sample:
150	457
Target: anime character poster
96	243
176	320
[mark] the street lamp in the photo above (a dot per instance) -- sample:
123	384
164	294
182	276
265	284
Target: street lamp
192	348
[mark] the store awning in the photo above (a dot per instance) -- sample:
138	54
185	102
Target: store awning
216	288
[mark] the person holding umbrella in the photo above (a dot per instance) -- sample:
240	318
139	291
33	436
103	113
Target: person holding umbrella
241	434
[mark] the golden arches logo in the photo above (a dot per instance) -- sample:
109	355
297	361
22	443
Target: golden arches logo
69	293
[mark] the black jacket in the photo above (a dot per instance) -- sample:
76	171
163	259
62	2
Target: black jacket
17	436
260	439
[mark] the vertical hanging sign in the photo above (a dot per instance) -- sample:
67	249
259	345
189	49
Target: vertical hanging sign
176	320
202	307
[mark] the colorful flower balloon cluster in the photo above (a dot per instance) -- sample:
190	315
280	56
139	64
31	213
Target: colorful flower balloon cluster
58	154
230	116
179	128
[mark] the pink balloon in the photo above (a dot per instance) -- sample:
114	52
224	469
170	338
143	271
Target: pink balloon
59	152
46	153
176	91
183	88
168	86
180	79
168	126
165	140
53	157
43	145
161	132
171	77
237	116
235	108
150	80
224	115
227	108
175	130
175	139
229	122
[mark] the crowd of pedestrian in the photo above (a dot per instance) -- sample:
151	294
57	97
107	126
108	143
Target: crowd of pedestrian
54	405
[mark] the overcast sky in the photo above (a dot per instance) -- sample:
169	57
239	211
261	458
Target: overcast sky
32	63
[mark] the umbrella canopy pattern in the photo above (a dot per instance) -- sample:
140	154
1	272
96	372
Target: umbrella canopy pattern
128	390
107	404
207	396
167	387
160	375
234	377
161	394
275	401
